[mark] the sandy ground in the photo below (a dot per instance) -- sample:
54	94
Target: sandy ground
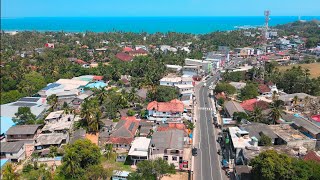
313	67
177	176
93	138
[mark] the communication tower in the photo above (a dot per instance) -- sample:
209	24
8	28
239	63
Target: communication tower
266	19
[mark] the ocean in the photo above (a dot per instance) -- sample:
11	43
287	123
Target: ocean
195	25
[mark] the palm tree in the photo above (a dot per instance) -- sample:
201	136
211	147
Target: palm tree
90	112
109	148
66	108
274	95
53	101
277	109
71	165
295	101
256	115
8	172
102	95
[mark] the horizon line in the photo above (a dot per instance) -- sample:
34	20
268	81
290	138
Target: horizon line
150	16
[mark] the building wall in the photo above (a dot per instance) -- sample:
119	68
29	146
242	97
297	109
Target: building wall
20	137
164	114
122	146
20	155
309	144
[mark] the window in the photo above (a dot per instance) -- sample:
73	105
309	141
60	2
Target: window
174	158
10	154
165	158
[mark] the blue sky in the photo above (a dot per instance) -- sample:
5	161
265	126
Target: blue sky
81	8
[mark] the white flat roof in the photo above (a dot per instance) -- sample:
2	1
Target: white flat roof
180	86
139	147
54	115
72	82
238	141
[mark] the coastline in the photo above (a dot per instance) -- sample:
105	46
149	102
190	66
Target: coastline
192	24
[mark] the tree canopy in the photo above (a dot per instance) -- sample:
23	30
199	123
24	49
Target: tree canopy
225	87
152	170
24	116
249	91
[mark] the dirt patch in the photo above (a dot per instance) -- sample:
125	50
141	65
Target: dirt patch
93	138
177	176
313	67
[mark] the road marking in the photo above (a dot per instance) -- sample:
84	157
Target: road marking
205	108
208	141
201	174
216	143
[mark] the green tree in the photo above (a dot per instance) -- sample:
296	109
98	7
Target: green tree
225	87
53	101
249	91
152	169
79	156
265	140
277	109
189	124
95	172
163	94
239	116
90	113
8	172
31	83
256	115
10	96
131	112
220	101
271	165
24	116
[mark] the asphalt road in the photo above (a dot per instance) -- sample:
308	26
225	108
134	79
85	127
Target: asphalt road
206	164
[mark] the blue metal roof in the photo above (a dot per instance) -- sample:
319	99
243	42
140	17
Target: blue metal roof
3	161
6	123
52	85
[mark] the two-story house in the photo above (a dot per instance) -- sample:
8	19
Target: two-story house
124	133
165	111
168	145
23	132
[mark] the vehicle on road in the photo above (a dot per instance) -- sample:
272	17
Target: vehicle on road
194	151
204	84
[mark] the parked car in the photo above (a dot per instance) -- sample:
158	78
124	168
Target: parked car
194	151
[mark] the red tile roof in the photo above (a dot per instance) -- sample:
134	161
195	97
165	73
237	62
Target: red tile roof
250	104
171	126
316	117
139	51
173	106
221	95
127	49
263	88
124	56
81	62
98	78
312	156
125	130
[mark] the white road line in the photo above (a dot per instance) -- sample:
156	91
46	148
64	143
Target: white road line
199	115
208	141
216	145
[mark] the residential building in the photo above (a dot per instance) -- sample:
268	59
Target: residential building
168	145
124	133
58	125
37	106
240	140
206	66
304	125
250	104
124	57
191	70
120	175
139	149
244	68
257	129
288	100
218	60
165	111
78	134
23	132
44	141
312	156
173	80
174	68
138	52
230	107
146	127
292	138
14	151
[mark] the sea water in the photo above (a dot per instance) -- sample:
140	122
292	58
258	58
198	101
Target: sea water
195	25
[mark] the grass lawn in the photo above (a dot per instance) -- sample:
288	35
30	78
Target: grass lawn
313	67
112	164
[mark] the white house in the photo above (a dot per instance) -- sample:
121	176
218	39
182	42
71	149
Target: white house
139	149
